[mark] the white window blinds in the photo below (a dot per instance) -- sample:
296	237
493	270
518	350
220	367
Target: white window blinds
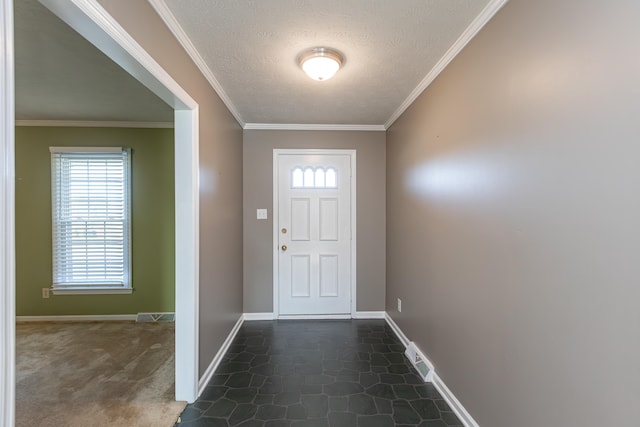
91	219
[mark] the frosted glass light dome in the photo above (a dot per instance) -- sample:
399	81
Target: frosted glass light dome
321	63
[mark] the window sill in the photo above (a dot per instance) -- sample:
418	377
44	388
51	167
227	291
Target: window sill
77	290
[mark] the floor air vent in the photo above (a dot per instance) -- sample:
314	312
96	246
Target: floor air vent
417	359
156	317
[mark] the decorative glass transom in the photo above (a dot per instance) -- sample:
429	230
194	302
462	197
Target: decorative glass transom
314	178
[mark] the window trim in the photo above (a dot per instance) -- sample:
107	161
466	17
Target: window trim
93	290
84	288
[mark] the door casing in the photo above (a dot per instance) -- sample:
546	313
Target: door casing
276	250
7	218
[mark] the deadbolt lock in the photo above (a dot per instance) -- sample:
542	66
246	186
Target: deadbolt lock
284	231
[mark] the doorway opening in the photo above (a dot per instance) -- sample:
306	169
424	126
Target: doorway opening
89	19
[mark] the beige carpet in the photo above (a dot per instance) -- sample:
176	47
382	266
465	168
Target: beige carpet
95	374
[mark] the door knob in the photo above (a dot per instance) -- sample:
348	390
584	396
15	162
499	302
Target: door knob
284	248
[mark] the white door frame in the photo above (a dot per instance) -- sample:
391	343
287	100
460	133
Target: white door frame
93	22
276	231
7	229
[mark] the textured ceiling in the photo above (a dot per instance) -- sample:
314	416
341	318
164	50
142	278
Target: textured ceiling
61	76
251	46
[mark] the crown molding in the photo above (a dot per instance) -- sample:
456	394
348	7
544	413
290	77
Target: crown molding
291	126
469	33
93	124
171	22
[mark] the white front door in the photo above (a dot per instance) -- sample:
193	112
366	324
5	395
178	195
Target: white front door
314	234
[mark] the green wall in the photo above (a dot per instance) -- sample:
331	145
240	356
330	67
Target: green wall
152	229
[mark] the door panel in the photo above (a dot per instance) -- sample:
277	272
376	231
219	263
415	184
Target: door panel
329	276
301	275
300	219
329	219
314	234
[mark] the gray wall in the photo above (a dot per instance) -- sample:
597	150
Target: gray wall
513	217
258	193
220	177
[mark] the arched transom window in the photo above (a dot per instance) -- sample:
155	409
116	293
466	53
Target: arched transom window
318	177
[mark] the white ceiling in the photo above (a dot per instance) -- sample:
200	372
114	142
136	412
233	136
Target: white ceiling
247	49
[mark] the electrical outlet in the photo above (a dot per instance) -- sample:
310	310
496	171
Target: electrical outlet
399	305
45	292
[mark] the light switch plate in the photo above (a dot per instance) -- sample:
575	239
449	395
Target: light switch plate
261	214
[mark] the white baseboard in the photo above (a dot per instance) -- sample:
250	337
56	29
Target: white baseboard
211	369
396	329
368	315
248	317
314	317
453	402
79	318
442	388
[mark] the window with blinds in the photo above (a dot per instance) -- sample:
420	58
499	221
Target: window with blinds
90	189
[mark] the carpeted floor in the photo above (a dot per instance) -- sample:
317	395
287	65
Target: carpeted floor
95	374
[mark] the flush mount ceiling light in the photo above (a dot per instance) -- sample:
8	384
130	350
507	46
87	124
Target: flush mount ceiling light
320	63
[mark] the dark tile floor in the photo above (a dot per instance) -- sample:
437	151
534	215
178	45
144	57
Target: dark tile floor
329	373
